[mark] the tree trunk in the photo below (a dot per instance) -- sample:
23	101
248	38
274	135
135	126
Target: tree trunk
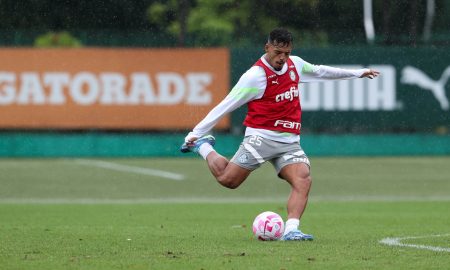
414	18
183	13
386	22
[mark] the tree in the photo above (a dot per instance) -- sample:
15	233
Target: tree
224	22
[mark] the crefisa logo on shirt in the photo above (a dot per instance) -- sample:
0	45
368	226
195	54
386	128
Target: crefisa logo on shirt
290	94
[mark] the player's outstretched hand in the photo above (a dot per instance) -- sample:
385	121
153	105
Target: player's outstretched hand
371	73
191	137
188	140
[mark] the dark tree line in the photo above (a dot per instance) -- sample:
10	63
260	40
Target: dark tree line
228	22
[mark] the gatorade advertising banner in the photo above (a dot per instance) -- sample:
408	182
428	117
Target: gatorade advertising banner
149	89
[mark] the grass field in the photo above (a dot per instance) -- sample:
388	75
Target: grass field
171	214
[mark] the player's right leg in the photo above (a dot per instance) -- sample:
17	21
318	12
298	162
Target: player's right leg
226	173
194	146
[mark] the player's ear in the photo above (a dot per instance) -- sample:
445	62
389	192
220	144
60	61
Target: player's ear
266	47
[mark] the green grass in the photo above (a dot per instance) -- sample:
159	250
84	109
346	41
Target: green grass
58	214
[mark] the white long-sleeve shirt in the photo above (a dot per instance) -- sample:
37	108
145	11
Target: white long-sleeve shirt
252	85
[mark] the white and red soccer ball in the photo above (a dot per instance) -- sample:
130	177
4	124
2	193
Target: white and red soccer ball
268	226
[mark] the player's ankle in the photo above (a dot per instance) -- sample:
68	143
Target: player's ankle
205	149
291	225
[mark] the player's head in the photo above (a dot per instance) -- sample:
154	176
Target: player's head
278	47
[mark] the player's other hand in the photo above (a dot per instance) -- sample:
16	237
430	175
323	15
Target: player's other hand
191	137
370	73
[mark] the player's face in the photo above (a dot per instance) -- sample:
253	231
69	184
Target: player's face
277	54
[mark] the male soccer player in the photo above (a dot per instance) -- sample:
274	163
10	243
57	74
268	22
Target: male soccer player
273	123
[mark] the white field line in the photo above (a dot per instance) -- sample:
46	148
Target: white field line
397	242
206	199
380	198
129	169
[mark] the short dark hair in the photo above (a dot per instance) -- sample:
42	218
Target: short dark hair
280	36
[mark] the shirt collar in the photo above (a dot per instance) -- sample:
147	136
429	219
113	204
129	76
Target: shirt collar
281	72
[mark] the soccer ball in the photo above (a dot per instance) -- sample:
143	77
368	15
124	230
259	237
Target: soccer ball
268	226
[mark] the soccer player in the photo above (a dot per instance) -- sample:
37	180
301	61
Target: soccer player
273	123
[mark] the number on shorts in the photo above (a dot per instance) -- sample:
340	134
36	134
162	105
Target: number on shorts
256	140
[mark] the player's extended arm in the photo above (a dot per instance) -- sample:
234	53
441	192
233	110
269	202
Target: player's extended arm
314	73
227	105
333	73
250	86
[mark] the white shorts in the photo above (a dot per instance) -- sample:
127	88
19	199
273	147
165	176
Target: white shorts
255	150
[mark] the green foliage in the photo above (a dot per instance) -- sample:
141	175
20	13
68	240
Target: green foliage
311	39
156	13
163	16
229	22
213	22
210	22
57	39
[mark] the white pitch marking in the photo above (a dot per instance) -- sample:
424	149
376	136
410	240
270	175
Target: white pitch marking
129	169
397	242
205	199
209	200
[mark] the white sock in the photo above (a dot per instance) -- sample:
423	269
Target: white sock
291	224
205	149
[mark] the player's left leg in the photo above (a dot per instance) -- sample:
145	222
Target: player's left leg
298	176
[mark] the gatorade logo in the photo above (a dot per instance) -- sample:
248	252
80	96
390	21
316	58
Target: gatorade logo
105	88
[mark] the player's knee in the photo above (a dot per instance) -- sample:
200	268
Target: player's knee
303	181
307	179
229	182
